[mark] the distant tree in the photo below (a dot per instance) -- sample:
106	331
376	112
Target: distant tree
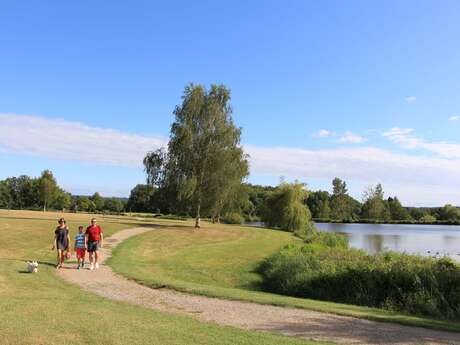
257	196
417	213
427	219
374	207
48	188
449	213
84	204
397	211
341	203
318	203
98	201
204	145
113	205
24	192
285	207
63	200
140	198
6	201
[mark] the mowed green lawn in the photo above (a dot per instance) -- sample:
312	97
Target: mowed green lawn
42	309
220	261
217	255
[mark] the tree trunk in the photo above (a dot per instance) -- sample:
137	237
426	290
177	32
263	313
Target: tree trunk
197	218
44	206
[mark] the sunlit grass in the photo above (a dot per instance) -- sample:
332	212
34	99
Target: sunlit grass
42	309
221	261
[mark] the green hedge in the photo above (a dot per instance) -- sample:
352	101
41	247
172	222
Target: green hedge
408	283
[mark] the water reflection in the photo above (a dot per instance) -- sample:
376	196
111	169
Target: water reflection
414	239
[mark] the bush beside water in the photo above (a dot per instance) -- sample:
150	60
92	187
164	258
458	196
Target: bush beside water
325	268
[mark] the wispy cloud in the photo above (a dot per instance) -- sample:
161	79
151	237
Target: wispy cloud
349	137
415	179
67	140
426	180
411	99
454	118
324	133
405	138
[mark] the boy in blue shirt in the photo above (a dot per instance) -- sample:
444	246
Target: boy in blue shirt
80	248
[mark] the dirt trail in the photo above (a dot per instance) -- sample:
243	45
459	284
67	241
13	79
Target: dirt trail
287	321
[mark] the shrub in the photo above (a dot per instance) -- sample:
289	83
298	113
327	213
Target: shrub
233	218
402	282
310	234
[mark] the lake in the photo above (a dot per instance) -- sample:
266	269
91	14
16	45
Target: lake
427	240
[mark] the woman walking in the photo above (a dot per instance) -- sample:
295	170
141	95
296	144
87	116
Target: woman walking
61	241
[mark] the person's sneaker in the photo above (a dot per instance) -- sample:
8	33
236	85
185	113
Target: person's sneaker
78	267
97	265
91	267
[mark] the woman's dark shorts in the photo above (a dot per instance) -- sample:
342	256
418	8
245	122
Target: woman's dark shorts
93	246
62	245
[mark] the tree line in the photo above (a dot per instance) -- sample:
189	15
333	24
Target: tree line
44	193
267	203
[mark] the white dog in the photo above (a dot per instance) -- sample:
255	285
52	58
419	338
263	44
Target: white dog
32	267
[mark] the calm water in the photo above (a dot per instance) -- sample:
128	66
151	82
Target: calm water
414	239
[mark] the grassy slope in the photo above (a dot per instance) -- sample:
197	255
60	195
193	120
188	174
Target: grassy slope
219	261
42	309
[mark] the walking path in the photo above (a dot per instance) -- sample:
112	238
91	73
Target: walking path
251	316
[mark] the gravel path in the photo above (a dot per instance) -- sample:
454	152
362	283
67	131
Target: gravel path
288	321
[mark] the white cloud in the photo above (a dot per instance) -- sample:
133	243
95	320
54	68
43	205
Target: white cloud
324	133
411	99
351	138
426	180
67	140
454	118
415	179
405	138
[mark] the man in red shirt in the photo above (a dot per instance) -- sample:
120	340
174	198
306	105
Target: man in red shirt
93	240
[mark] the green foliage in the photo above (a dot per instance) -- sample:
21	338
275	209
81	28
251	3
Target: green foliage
328	239
63	200
449	213
98	201
318	203
233	218
397	211
257	196
343	207
84	204
113	205
326	270
285	209
47	188
428	219
374	206
141	198
204	163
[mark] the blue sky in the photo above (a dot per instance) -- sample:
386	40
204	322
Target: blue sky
367	91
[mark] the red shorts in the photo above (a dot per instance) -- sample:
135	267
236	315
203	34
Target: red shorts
80	253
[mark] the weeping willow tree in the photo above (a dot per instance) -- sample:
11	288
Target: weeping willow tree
285	208
204	162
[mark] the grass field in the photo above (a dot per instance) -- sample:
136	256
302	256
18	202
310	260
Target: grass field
220	261
42	309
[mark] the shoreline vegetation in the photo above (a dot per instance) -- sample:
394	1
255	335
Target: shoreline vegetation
234	271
